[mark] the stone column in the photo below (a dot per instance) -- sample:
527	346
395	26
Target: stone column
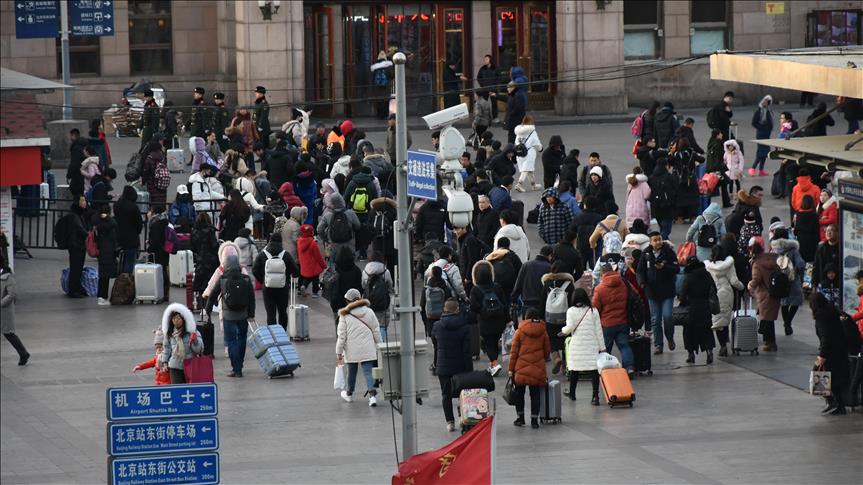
675	25
115	48
481	36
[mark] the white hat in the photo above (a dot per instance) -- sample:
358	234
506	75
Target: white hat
353	294
158	336
182	189
596	171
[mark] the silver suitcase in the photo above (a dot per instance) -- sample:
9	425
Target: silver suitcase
744	331
176	159
551	402
149	283
298	316
179	265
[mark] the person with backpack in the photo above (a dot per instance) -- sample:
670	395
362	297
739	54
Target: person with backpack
610	300
554	217
584	343
428	254
451	273
155	174
207	191
663	197
528	285
489	302
792	264
453	354
106	239
722	269
182	212
706	230
609	233
665	124
765	272
157	227
568	256
359	193
382	216
236	296
377	285
506	265
436	291
339	227
530	348
129	225
558	287
273	270
358	334
695	296
8	299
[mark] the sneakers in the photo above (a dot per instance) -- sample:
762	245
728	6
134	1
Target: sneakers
450	426
519	188
753	172
373	401
347	397
103	302
657	351
235	374
594	401
537	187
763	173
671	345
494	370
519	421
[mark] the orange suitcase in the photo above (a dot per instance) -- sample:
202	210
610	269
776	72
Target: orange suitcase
617	387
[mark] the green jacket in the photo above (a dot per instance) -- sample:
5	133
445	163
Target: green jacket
261	116
149	122
221	120
200	119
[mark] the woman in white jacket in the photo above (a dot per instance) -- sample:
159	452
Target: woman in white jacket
358	334
518	242
246	186
525	133
585	343
721	268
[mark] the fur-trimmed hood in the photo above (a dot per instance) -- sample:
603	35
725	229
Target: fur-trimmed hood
640	178
352	305
482	265
719	268
299	213
744	197
329	186
379	202
558	277
830	202
524	130
637	241
782	246
731	143
182	310
497	254
226	249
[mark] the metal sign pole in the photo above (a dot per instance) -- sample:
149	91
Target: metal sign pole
64	46
405	310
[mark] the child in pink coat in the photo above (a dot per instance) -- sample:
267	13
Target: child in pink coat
733	158
637	197
90	168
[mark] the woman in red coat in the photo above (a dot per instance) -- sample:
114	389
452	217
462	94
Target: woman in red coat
530	348
311	260
289	196
828	212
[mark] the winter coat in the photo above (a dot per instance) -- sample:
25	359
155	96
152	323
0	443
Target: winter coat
529	284
762	118
747	232
658	284
553	219
637	199
715	157
609	299
106	239
569	200
530	348
569	257
483	280
791	248
806	231
552	159
803	188
73	172
452	277
487	225
500	199
665	125
725	278
358	333
291	229
361	180
226	249
647	158
762	266
550	281
610	222
231	266
828	213
452	333
191	341
745	203
506	268
586	340
695	294
663	194
350	276
603	192
470	250
518	242
8	298
569	172
723	118
207	193
311	260
431	219
583	225
820	126
205	246
686	132
516	108
306	189
734	160
374	268
324	224
163	375
391	142
636	241
182	213
89	169
260	264
482	112
825	254
832	345
279	166
248	251
129	221
711	215
79	224
286	190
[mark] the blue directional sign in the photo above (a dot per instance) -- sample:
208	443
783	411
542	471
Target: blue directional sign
152	402
422	175
200	468
37	19
91	17
179	435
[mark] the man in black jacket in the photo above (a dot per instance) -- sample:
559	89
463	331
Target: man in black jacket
568	256
528	284
583	225
826	253
452	335
663	197
76	156
685	131
657	273
279	165
431	219
569	168
487	221
470	250
746	202
487	78
719	117
77	225
584	179
516	108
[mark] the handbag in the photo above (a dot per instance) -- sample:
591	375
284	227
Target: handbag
339	378
820	381
713	299
533	215
91	244
198	369
509	392
680	316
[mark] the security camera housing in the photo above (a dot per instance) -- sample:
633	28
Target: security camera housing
446	117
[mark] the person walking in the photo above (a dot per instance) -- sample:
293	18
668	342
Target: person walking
236	296
453	355
555	278
530	348
706	237
724	274
552	160
487	77
763	265
339	227
516	108
205	246
585	341
349	276
275	278
657	273
489	302
509	229
8	299
554	217
663	197
233	216
528	285
637	197
182	340
609	299
762	121
311	261
832	351
377	286
788	252
106	240
358	335
695	295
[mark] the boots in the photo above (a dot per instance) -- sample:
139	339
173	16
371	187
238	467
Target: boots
709	357
519	421
573	383
595	399
723	351
23	355
534	422
788	329
556	362
691	358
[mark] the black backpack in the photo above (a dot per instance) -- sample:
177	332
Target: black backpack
378	294
712	116
491	308
707	233
659	195
61	232
235	290
634	308
780	285
133	168
382	225
339	230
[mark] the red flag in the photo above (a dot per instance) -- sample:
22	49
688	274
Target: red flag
468	459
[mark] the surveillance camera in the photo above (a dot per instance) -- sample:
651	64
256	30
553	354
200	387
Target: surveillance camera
446	117
460	208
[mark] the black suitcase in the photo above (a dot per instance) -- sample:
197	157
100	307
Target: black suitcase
478	379
641	351
518	211
855	394
208	333
474	341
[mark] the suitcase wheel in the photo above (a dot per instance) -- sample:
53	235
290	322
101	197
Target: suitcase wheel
631	404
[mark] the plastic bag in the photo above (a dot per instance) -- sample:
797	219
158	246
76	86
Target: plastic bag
339	378
684	251
606	361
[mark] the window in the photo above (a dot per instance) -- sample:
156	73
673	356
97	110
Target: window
150	37
833	27
709	23
640	29
84	56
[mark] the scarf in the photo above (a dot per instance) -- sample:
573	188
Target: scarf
180	348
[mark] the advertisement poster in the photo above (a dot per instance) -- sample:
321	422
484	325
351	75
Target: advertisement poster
852	258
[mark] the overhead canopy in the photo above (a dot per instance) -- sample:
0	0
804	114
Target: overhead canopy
13	80
820	150
819	70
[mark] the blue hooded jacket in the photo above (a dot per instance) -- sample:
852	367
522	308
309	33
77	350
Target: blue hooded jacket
519	78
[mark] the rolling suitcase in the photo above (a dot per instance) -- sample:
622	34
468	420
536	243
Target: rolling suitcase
550	402
180	265
298	316
149	285
641	351
617	387
265	336
474	405
744	331
208	334
175	160
280	361
143	199
478	379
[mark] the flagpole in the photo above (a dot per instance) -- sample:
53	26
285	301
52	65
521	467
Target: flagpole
493	446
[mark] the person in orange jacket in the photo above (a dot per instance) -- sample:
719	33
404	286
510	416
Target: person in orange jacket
530	347
804	187
163	377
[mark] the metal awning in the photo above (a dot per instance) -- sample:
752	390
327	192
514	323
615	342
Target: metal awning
829	151
18	81
816	70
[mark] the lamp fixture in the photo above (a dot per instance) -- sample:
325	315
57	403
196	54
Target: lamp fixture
269	8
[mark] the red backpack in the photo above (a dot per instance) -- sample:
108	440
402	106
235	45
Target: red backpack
637	125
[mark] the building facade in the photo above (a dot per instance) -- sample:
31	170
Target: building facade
581	57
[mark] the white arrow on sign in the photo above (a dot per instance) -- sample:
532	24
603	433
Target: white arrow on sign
107	4
107	15
20	6
205	394
207	464
107	29
205	429
20	19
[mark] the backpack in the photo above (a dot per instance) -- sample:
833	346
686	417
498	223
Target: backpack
123	292
780	285
382	226
329	282
91	244
235	290
170	242
435	297
659	196
274	270
634	307
504	273
61	232
89	194
133	168
611	241
428	255
339	230
787	267
378	294
491	307
161	176
712	117
360	200
521	148
706	237
637	125
381	78
556	305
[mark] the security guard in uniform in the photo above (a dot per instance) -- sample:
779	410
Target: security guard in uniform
261	116
221	120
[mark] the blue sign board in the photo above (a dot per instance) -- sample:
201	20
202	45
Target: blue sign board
37	19
200	468
91	17
422	175
177	435
152	402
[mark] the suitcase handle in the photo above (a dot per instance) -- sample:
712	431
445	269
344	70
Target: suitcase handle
253	325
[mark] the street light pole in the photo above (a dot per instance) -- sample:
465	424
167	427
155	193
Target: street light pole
64	53
405	309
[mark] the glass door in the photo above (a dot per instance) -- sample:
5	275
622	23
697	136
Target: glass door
452	48
524	36
319	66
410	29
360	34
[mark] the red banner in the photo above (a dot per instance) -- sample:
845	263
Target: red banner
469	459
